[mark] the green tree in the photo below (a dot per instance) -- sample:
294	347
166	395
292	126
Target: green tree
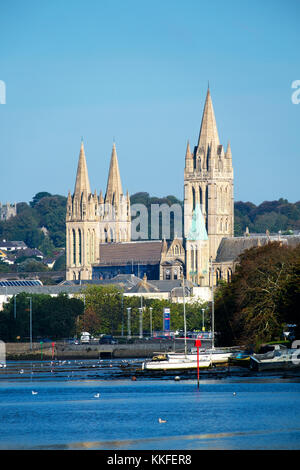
53	317
251	308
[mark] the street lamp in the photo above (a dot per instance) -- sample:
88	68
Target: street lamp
30	320
150	308
128	323
141	322
203	327
122	308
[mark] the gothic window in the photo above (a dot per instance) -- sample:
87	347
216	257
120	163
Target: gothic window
79	246
83	209
74	246
194	198
88	246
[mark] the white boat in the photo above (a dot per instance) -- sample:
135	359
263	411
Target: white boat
278	359
215	356
175	364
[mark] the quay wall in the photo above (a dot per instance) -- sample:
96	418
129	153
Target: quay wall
22	351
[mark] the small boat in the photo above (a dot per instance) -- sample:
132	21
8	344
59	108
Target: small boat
215	356
278	359
241	359
179	363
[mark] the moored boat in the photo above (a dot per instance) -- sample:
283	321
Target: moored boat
215	356
241	359
278	359
178	363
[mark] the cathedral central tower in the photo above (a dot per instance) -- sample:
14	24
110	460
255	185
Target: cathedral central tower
208	181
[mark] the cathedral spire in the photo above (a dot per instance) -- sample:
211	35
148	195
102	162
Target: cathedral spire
82	180
208	130
114	186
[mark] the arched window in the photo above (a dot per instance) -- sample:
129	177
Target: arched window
79	246
194	198
74	246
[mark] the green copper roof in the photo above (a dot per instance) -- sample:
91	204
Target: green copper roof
197	230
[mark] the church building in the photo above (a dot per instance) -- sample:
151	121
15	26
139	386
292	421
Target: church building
98	227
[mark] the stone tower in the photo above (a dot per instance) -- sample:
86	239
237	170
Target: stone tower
81	225
208	181
92	220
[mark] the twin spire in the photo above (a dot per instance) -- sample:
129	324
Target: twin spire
114	186
82	183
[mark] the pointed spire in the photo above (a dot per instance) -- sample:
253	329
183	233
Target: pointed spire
208	130
188	150
101	200
228	151
82	180
114	186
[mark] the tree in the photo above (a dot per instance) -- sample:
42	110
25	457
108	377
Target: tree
252	309
52	317
38	197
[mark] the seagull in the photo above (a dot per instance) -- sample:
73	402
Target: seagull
34	393
162	420
97	395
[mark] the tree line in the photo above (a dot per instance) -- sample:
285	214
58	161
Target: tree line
97	309
48	211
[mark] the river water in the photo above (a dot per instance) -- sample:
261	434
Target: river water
98	405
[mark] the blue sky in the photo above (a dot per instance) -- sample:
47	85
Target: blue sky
137	72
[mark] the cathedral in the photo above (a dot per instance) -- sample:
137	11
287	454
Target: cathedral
99	244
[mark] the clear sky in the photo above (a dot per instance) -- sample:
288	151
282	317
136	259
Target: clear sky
137	71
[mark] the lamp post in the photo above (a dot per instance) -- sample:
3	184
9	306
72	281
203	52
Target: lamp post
122	307
150	308
15	307
128	323
30	320
141	322
203	327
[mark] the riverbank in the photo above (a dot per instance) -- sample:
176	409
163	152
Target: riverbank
63	350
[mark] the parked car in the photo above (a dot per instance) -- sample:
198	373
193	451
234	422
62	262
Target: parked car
107	339
85	337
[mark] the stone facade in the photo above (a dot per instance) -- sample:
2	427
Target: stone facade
92	219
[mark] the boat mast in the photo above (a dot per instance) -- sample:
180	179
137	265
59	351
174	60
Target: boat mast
212	306
184	318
